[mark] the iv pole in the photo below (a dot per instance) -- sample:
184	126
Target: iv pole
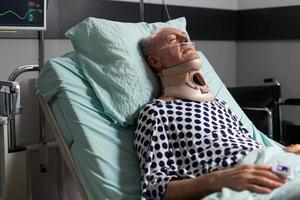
142	15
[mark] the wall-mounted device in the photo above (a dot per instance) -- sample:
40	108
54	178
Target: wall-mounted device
23	14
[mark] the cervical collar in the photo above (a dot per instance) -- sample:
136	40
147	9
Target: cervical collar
186	82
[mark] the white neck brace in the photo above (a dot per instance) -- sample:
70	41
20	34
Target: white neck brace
186	82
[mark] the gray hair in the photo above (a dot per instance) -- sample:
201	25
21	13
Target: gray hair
146	44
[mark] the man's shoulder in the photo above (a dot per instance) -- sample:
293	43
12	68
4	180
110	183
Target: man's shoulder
157	104
152	105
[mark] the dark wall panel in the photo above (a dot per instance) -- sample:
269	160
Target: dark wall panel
282	23
208	24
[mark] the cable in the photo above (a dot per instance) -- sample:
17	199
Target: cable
166	9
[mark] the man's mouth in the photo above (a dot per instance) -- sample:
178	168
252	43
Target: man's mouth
186	50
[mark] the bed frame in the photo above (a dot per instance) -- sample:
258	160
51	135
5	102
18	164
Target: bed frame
64	149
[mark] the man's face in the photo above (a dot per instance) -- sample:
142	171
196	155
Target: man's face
168	50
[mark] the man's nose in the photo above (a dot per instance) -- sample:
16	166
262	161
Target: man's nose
182	38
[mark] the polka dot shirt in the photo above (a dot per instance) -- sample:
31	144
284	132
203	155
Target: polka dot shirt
184	139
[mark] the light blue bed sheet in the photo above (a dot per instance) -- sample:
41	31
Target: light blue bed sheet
104	152
271	156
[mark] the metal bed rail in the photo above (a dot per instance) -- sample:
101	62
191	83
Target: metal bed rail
270	117
10	101
64	149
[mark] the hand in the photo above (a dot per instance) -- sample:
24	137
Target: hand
255	178
294	148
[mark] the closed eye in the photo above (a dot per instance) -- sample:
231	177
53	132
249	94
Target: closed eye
172	38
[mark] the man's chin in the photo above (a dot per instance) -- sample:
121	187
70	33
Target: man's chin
191	57
184	59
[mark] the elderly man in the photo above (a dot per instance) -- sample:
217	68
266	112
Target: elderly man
189	144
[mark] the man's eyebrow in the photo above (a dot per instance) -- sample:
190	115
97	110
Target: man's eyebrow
170	34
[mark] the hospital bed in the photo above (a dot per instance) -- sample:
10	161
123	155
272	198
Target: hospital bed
64	149
98	150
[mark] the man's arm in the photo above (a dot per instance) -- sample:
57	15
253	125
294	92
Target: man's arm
294	148
255	178
195	188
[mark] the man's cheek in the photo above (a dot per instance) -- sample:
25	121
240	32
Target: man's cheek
175	55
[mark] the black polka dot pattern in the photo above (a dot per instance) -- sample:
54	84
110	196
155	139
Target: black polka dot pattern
185	139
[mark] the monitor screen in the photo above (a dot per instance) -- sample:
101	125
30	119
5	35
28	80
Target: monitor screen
22	14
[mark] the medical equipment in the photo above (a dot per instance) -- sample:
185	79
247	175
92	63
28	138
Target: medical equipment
11	155
188	43
10	107
185	81
283	171
23	15
10	103
17	145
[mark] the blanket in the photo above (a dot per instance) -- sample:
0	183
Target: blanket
270	156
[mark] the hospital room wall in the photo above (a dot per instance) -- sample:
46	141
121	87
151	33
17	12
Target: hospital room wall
17	52
222	56
268	46
257	60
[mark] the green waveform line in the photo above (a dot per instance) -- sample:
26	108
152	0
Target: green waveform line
18	16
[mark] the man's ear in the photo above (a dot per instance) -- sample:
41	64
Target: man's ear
154	62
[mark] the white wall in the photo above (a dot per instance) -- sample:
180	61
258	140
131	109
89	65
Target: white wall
17	52
222	56
218	4
279	59
251	4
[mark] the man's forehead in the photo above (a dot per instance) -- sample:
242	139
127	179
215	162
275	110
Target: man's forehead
169	30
